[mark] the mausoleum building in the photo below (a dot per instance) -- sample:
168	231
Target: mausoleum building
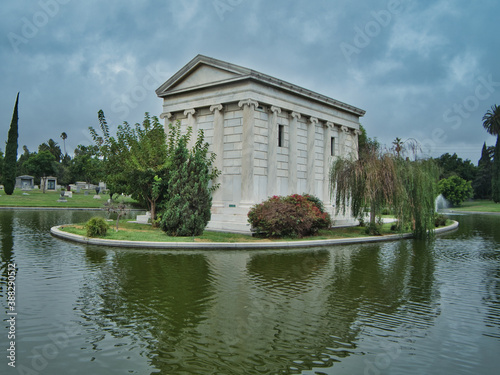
270	137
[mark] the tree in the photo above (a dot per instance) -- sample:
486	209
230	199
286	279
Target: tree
85	165
455	189
24	156
415	205
135	162
109	150
1	165
491	122
40	165
9	170
452	165
187	209
380	180
64	136
482	182
53	148
63	171
370	181
366	144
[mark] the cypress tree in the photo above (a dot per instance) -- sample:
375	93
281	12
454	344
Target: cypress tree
482	182
495	180
10	160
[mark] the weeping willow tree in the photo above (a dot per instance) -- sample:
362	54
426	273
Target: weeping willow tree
415	205
379	180
370	181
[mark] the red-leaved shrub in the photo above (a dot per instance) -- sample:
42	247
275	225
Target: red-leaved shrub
291	216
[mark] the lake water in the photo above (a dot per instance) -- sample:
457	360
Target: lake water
406	307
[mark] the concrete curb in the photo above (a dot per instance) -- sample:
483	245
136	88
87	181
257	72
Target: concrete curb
56	232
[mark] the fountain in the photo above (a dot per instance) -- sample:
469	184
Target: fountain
441	203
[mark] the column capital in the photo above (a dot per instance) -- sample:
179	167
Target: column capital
248	102
330	125
166	115
191	112
358	132
313	120
296	115
345	129
275	109
215	107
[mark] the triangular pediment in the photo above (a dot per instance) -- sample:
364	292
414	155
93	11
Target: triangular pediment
203	75
200	72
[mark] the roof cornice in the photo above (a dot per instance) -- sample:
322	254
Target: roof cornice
247	74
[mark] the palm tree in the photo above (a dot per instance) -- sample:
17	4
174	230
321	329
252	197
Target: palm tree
52	147
491	122
64	136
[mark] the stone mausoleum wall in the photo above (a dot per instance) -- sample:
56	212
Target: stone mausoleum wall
270	137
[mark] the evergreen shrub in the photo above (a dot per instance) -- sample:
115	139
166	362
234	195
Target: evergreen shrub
96	227
291	216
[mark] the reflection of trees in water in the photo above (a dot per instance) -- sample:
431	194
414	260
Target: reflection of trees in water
154	300
479	226
7	241
273	313
293	273
388	281
321	310
492	297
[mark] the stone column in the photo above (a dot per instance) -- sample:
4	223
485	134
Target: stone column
247	157
218	149
167	116
357	133
191	122
344	132
292	154
311	155
272	152
327	159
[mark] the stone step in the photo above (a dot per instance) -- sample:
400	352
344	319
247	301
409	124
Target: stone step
230	218
229	226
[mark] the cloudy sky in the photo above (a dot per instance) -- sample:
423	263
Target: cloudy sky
426	70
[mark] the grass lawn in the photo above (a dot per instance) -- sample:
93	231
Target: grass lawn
35	198
140	232
478	206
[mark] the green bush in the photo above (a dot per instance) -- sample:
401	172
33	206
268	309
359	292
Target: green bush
96	227
290	216
439	220
455	189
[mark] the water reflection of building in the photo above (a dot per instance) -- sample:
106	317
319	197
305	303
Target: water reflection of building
253	313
